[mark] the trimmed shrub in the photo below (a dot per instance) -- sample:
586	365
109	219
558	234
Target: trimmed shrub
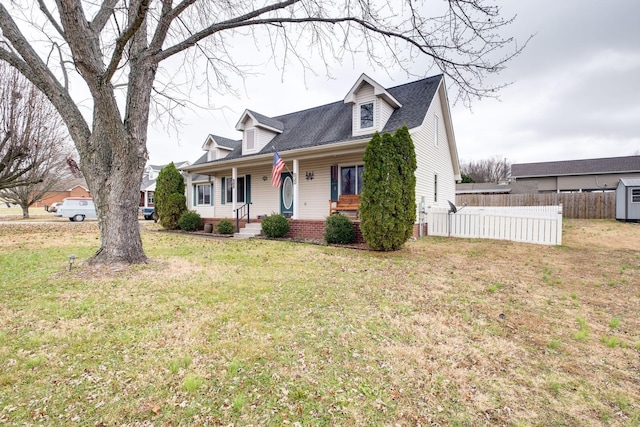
190	221
339	229
225	227
169	182
275	225
174	206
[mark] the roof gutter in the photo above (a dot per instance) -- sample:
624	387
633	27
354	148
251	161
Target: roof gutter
335	149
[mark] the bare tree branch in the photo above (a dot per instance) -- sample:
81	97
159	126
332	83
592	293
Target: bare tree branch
50	18
102	17
124	38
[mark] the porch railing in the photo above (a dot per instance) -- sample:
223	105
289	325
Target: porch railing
241	212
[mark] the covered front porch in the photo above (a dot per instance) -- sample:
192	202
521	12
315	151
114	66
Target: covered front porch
243	187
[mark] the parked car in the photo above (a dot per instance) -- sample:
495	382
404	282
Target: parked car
53	207
77	209
148	213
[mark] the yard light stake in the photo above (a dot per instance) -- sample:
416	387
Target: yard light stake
72	258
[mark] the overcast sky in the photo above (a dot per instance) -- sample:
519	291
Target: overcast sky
575	91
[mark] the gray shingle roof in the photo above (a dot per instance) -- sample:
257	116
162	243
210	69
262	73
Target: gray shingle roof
267	121
577	167
226	142
331	123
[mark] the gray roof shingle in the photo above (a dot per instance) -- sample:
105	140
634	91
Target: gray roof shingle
226	142
577	167
331	123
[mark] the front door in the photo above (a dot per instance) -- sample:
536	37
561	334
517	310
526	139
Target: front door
286	195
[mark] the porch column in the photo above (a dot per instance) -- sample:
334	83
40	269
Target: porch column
188	192
234	187
296	185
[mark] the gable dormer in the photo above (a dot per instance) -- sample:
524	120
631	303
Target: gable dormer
257	131
218	147
371	105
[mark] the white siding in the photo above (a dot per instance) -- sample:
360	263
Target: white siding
263	137
433	160
265	198
385	111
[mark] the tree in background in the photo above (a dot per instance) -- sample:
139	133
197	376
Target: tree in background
494	169
169	199
387	204
34	143
466	179
105	60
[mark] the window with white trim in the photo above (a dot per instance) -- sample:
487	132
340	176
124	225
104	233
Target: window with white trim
203	194
227	193
251	139
228	190
150	199
240	194
366	115
635	196
351	179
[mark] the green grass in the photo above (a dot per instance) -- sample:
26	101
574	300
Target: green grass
259	332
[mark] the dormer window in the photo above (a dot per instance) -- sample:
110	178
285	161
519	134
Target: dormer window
251	136
366	115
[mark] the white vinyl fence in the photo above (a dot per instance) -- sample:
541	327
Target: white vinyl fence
528	224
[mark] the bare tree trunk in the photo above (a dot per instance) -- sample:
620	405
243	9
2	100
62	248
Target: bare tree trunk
113	168
25	211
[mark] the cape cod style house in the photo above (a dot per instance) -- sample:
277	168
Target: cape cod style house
323	149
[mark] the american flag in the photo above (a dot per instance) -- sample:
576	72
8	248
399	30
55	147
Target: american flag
278	167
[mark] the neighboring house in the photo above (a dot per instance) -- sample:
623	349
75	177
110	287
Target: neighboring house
148	185
323	150
501	188
76	187
577	175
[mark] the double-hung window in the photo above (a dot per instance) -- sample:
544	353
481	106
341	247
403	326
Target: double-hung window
203	194
250	135
635	196
227	189
366	115
351	179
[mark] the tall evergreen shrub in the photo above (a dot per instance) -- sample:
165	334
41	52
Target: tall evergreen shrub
387	203
407	165
169	209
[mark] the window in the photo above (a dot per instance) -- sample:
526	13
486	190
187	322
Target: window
150	195
435	188
228	190
366	115
240	192
635	196
435	130
203	192
351	179
251	135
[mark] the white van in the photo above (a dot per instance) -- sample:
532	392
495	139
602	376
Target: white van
77	209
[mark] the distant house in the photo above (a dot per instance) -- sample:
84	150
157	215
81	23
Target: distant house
601	174
75	187
148	185
501	188
322	149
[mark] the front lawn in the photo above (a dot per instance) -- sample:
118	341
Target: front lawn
270	333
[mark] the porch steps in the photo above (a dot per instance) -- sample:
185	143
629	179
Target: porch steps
249	230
